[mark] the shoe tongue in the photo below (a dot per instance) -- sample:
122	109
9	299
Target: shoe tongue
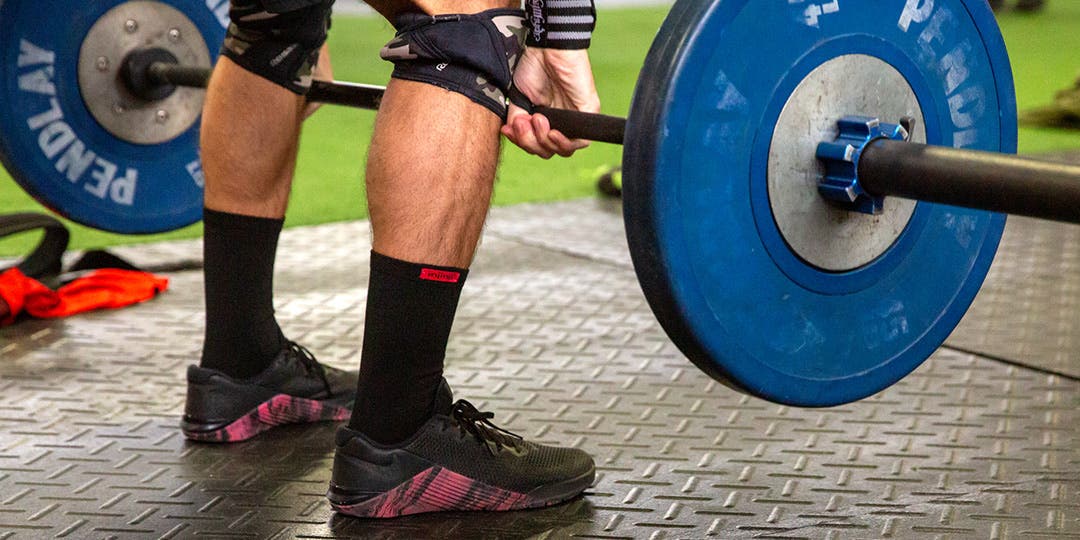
444	399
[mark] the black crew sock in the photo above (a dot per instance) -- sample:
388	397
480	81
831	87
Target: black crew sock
242	335
410	309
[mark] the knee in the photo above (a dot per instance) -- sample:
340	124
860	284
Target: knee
471	54
278	40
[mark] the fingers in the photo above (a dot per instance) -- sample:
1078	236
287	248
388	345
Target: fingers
518	129
553	140
533	134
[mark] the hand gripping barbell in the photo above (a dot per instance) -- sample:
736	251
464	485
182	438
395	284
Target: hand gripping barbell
809	186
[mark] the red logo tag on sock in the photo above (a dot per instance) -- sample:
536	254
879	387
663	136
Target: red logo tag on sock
431	274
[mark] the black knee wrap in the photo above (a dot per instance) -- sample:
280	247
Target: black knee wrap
473	55
278	40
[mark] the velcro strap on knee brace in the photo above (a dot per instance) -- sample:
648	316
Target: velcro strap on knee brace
278	40
473	55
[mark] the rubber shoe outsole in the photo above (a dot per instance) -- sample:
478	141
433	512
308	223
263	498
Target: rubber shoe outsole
440	490
279	410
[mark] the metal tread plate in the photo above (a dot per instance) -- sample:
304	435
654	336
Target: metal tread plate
1028	310
563	348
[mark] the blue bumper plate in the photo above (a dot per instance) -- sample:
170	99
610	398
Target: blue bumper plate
706	249
59	153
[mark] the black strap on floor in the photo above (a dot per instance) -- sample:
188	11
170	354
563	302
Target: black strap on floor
45	259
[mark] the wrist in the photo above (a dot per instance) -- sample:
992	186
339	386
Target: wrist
560	24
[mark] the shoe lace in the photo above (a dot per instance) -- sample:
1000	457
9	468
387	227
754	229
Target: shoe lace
477	423
311	365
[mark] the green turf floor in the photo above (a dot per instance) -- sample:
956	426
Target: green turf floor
329	183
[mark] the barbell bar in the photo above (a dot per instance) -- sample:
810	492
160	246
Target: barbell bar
983	180
573	124
759	162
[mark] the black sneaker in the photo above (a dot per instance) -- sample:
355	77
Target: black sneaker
457	461
294	389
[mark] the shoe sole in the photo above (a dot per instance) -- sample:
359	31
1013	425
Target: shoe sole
277	411
440	490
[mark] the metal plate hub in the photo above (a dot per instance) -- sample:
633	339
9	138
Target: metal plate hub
820	233
121	30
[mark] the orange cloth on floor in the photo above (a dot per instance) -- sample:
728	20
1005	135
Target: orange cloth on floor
15	287
100	289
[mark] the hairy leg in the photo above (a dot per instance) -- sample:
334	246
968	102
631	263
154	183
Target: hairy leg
249	139
430	173
431	166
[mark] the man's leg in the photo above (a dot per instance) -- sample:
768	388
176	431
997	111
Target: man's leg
430	172
409	448
250	377
249	139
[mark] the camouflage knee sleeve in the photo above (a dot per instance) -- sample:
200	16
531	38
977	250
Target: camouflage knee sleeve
278	40
473	55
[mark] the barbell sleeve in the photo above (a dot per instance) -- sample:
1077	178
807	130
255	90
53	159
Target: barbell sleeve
972	179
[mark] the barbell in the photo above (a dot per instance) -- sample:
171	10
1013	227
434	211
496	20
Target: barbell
811	187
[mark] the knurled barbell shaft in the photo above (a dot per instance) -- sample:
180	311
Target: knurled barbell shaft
972	179
573	124
984	180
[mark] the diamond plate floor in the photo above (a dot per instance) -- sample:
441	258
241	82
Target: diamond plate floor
1028	311
555	337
